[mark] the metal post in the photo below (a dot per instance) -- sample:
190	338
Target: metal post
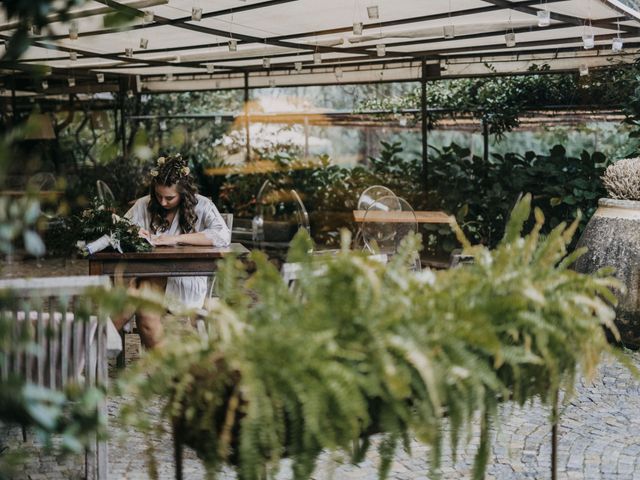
123	130
423	111
306	137
554	438
246	115
485	139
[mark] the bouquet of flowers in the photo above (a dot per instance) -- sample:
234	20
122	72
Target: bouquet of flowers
108	230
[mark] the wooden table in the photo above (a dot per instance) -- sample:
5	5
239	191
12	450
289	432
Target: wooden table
434	216
183	260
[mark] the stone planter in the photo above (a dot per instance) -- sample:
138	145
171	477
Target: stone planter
613	239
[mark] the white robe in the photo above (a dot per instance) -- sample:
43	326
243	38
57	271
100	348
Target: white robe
187	292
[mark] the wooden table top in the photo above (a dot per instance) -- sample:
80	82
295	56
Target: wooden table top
434	216
173	253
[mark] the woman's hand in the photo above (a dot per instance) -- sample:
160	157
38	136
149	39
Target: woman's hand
144	234
166	240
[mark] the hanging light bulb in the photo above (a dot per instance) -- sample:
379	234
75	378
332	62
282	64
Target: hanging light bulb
71	81
381	50
217	120
357	28
196	14
144	43
73	56
45	84
339	73
35	30
266	62
130	93
100	77
148	16
162	125
588	41
510	39
617	44
444	65
233	45
317	58
210	67
170	77
73	30
128	52
448	31
272	82
373	12
584	70
298	66
544	18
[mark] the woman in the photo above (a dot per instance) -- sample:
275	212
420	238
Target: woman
173	213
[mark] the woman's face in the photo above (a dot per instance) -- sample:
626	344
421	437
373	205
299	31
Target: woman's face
168	196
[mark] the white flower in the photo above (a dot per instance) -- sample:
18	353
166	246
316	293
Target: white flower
185	170
154	173
161	161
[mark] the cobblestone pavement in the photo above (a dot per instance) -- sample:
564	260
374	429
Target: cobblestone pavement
598	439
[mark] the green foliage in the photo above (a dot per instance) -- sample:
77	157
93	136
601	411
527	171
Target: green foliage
358	348
501	100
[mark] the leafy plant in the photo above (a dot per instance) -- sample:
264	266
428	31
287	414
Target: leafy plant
358	348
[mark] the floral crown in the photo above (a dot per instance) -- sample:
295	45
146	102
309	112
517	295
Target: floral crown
179	166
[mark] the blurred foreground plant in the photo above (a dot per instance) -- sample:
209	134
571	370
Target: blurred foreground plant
358	348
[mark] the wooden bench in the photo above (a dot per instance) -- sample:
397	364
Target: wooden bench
72	337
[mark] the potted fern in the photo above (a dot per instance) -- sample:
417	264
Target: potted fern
358	347
612	239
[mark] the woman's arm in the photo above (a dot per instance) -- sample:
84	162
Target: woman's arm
198	239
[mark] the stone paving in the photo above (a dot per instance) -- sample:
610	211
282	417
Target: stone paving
598	439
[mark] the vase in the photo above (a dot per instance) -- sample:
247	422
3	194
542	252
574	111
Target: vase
612	237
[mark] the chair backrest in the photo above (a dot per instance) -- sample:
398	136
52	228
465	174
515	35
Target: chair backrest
279	205
228	219
42	181
105	195
68	332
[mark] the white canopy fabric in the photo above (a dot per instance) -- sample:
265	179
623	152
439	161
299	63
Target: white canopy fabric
184	45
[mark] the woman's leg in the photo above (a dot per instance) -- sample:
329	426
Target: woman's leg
150	323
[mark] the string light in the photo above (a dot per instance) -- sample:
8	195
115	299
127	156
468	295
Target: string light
73	30
196	14
381	50
148	16
100	77
588	41
357	28
584	70
210	67
339	73
373	12
71	81
266	62
298	66
510	39
144	43
128	52
449	31
73	56
45	84
544	18
233	45
617	43
317	58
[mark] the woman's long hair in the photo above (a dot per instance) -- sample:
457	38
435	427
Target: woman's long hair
173	170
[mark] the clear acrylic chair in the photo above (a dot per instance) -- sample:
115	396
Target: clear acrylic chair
386	223
105	195
280	214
